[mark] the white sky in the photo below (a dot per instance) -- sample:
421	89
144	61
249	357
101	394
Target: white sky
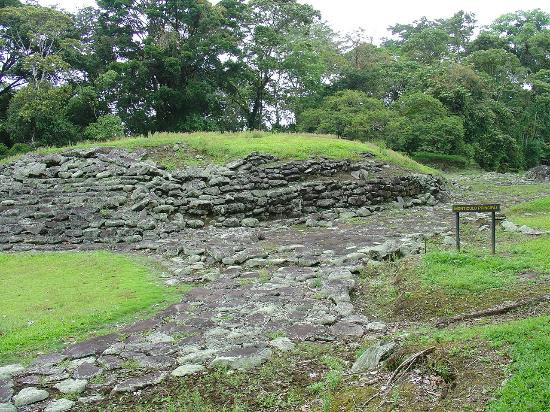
376	16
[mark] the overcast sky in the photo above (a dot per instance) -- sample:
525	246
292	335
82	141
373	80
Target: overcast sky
376	16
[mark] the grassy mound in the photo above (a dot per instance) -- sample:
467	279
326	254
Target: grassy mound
223	147
50	297
442	161
535	214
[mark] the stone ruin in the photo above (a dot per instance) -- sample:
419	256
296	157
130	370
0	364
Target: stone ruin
109	196
251	283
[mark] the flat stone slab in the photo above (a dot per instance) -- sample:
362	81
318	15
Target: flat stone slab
133	384
7	407
283	344
59	405
71	385
10	370
29	396
93	346
6	390
185	370
372	357
86	371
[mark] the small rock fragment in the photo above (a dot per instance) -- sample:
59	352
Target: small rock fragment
59	405
185	370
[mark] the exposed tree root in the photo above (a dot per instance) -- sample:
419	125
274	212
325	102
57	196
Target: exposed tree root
497	310
407	364
402	369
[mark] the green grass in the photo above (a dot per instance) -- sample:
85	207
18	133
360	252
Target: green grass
535	214
476	271
223	147
52	297
443	161
527	342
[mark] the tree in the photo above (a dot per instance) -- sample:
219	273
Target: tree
37	115
105	128
428	46
501	65
519	29
31	43
348	113
367	69
425	125
283	54
460	28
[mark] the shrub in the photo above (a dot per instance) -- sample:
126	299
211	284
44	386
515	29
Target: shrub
442	161
105	128
37	115
19	148
3	150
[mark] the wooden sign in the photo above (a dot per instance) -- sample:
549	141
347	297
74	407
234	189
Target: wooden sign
476	208
492	208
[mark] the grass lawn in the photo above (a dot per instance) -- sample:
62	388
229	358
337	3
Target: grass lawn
535	214
49	298
527	342
477	271
223	147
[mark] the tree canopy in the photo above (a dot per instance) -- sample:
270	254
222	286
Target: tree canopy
140	66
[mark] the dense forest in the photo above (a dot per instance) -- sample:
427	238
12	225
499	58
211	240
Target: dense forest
139	66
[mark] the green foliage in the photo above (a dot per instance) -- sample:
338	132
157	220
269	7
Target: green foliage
442	161
37	116
69	295
424	125
428	46
19	148
498	151
184	66
105	128
348	113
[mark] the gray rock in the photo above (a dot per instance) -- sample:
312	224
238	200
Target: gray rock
196	356
90	399
250	222
244	362
29	395
375	326
7	407
194	223
133	384
283	344
372	357
6	390
10	370
185	370
71	385
31	170
509	226
59	405
159	337
364	212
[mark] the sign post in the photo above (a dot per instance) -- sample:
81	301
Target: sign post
493	208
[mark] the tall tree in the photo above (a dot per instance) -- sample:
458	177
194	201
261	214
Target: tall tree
284	54
31	44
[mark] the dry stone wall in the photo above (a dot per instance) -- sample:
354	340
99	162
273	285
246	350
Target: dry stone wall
113	196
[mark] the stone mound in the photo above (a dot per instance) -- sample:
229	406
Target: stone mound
113	196
539	173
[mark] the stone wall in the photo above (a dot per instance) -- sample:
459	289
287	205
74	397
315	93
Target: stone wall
96	196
